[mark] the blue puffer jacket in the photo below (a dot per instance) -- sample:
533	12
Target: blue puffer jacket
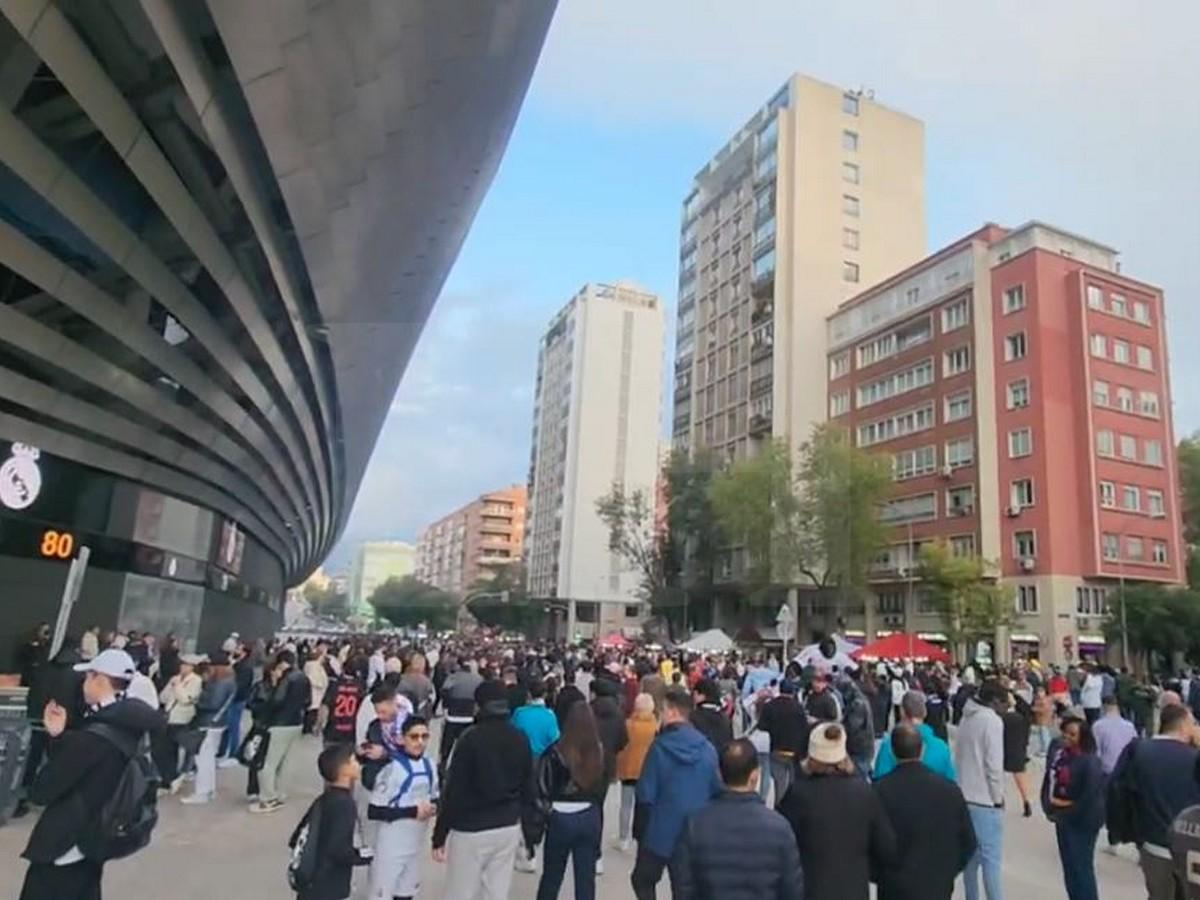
680	776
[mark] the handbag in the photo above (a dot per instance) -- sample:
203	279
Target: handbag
190	739
253	751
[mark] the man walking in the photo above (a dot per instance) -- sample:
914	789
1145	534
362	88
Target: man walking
979	755
289	699
85	765
488	786
785	722
933	828
708	718
458	695
736	848
679	777
935	753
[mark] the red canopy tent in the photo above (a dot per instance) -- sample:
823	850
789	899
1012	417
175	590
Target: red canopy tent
901	646
615	641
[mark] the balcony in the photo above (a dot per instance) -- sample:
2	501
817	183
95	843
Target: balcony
760	425
763	286
763	312
761	386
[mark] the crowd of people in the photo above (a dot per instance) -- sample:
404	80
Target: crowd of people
736	777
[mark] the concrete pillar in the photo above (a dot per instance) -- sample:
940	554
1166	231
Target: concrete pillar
571	619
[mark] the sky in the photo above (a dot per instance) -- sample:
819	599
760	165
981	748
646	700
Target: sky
1082	113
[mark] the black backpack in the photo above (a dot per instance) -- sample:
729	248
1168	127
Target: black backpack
305	845
1121	802
127	818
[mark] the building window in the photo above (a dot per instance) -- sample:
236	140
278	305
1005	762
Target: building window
850	205
1022	492
1141	312
850	104
1152	453
1015	346
1145	358
955	315
839	404
958	406
849	271
1120	350
1155	504
839	365
1014	299
1024	544
1104	443
1095	297
1159	552
921	508
1117	305
1128	447
1135	549
1100	393
908	422
849	140
956	361
632	611
962	546
1099	346
960	452
1148	404
1108	494
850	238
960	501
1091	601
1027	599
1020	443
1125	399
1112	546
849	173
914	463
910	379
1018	393
1131	498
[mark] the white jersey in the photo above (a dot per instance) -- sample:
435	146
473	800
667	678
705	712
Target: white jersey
400	846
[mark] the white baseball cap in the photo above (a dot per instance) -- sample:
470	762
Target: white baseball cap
114	663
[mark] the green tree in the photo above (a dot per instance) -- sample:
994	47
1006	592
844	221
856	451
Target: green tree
327	602
694	539
1188	455
407	602
634	535
971	604
504	601
1161	622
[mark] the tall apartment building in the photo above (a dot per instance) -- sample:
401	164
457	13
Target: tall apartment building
468	545
821	192
595	423
1019	382
375	563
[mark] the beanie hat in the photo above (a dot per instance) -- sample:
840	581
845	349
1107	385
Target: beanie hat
490	692
827	744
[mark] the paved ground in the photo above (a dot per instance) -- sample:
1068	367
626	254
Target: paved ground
220	850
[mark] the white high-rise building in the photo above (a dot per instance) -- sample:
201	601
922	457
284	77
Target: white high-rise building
596	417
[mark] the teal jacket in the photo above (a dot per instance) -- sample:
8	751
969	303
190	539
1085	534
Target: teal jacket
936	756
538	723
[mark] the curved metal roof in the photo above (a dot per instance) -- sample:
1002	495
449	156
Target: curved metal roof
224	224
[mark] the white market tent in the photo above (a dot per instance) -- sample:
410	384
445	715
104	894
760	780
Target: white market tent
712	641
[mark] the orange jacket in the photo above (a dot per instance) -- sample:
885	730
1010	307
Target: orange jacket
642	729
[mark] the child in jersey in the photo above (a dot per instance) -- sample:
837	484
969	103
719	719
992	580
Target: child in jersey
403	800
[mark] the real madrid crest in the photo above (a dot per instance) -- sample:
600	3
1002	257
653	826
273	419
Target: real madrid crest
20	477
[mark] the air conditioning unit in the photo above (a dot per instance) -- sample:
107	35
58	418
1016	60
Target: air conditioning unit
1028	563
947	471
1013	511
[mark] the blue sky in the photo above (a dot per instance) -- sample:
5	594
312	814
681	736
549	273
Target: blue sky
1085	115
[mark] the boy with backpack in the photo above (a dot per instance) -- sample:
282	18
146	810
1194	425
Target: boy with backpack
98	786
324	853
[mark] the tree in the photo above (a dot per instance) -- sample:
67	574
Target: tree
407	602
327	602
504	601
693	531
1161	622
971	604
1188	455
635	535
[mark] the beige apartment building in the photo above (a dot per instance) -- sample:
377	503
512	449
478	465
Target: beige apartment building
468	545
819	194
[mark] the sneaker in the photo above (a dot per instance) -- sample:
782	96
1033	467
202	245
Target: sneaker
227	763
252	798
599	867
268	806
176	785
625	845
524	863
196	799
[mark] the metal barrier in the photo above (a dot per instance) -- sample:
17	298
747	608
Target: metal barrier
15	734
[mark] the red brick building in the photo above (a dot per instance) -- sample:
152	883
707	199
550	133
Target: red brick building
472	542
1019	382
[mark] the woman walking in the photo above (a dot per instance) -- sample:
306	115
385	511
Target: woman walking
570	789
1016	747
1073	799
641	727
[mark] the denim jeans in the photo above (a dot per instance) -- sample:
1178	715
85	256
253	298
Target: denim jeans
1039	740
1077	851
232	738
764	775
781	773
575	836
625	817
989	833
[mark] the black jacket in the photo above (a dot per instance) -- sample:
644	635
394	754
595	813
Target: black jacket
842	833
490	780
610	722
934	836
786	724
335	840
82	770
737	849
243	674
290	700
713	724
553	782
